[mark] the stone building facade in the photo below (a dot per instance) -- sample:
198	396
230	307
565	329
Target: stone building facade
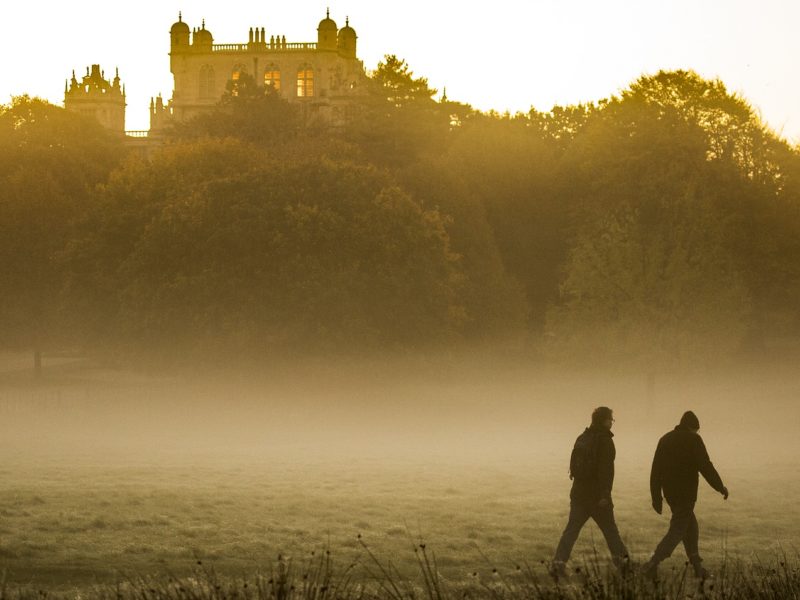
324	76
95	96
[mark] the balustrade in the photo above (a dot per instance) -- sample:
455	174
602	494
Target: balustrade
261	46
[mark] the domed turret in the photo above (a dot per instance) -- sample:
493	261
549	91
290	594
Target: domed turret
179	35
347	40
326	33
203	40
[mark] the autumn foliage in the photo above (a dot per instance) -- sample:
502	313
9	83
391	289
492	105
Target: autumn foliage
661	225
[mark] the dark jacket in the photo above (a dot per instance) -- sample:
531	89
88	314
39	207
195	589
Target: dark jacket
597	487
680	456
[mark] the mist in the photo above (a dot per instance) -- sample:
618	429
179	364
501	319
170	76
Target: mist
437	408
468	453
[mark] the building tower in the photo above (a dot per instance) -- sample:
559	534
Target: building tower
326	33
324	77
347	40
98	98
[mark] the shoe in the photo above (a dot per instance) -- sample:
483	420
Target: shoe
649	570
697	566
700	572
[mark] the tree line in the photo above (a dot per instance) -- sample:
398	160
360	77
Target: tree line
659	226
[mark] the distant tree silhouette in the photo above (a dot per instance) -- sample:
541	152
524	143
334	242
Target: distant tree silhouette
249	112
667	184
652	227
510	167
398	121
226	251
50	161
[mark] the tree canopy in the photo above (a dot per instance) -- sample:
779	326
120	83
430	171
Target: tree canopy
50	161
660	226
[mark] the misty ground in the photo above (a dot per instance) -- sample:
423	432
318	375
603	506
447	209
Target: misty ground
109	473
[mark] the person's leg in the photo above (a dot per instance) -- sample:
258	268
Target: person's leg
691	541
681	516
578	515
604	517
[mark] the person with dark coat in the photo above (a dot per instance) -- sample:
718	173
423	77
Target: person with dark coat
680	456
592	473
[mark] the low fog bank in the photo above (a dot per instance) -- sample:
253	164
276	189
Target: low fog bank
471	410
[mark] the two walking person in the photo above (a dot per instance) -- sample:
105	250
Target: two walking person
679	457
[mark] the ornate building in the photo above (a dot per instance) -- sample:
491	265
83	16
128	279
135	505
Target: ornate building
95	96
324	75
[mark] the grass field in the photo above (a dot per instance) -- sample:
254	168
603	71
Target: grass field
106	476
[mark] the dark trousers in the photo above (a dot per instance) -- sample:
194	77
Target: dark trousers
682	528
579	512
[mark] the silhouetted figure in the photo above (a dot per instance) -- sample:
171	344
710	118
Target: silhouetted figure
680	456
592	474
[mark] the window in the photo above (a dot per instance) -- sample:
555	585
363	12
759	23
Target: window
236	75
206	81
237	72
272	77
305	82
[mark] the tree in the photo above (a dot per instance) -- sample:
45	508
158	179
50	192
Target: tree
639	152
251	255
249	112
653	292
494	301
674	190
50	160
510	167
398	122
732	129
563	123
394	80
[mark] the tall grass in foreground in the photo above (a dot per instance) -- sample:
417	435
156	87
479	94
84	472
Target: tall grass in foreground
370	578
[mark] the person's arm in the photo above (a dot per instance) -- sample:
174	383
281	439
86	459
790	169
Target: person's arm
706	468
656	478
606	453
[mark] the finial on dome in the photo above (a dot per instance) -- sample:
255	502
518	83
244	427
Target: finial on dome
347	21
180	17
204	24
328	13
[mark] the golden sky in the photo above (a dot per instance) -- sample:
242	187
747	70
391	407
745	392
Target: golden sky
505	54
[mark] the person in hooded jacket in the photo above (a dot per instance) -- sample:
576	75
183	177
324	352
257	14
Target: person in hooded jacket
590	496
679	457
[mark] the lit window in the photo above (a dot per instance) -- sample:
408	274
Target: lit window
305	82
236	74
272	77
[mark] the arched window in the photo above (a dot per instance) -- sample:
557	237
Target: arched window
272	77
238	71
206	81
236	75
305	82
